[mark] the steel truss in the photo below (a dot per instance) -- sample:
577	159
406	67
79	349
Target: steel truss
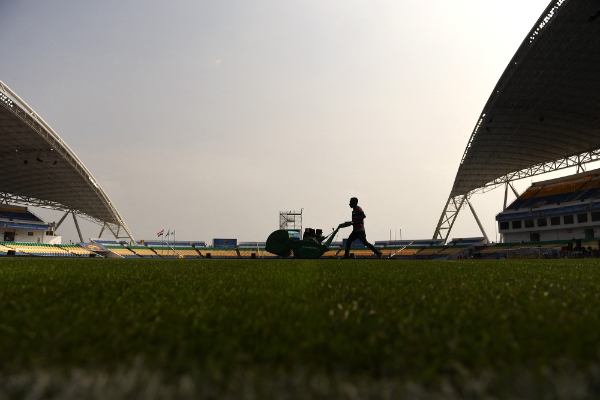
455	203
25	113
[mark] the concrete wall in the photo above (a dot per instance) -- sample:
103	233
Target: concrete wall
30	236
576	231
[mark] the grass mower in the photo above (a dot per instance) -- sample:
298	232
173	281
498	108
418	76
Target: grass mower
286	243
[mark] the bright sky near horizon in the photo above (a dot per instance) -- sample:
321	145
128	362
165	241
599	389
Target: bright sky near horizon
209	117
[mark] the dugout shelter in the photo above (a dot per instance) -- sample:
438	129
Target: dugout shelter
543	114
38	169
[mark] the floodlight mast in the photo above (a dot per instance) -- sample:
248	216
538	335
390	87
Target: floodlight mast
26	114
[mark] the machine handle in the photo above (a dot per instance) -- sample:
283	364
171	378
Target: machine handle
332	235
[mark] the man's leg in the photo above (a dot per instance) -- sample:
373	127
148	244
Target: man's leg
349	242
369	245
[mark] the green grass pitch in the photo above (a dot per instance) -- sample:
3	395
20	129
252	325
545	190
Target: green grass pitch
358	320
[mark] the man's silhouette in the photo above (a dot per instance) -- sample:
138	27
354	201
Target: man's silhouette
358	229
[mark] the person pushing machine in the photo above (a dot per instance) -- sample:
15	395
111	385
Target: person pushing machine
358	229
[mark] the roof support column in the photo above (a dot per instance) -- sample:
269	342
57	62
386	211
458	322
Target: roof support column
451	210
102	230
77	226
513	189
478	222
115	234
62	219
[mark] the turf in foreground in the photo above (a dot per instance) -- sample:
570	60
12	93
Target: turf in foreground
473	327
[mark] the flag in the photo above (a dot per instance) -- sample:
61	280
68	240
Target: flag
168	233
160	233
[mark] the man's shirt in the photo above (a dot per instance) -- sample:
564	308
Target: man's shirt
358	217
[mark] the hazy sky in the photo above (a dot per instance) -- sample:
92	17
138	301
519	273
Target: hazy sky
210	117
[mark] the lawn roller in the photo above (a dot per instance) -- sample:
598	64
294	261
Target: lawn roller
285	243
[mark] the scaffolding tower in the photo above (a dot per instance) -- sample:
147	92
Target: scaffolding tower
290	220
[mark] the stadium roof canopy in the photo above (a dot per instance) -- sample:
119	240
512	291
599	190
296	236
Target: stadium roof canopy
544	113
38	168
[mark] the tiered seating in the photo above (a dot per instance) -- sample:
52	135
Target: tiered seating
489	250
164	251
38	249
333	252
18	214
431	250
466	241
361	252
497	247
247	252
76	250
4	250
407	252
187	252
592	190
10	246
556	194
525	197
143	251
216	252
569	189
120	250
453	249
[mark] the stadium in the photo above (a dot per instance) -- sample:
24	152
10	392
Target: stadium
542	116
119	316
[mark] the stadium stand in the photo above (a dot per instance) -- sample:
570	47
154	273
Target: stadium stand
187	252
143	251
559	209
36	249
182	250
9	246
451	250
212	252
406	253
118	249
248	252
4	250
12	214
39	168
527	126
333	252
429	251
359	252
76	250
469	241
246	249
